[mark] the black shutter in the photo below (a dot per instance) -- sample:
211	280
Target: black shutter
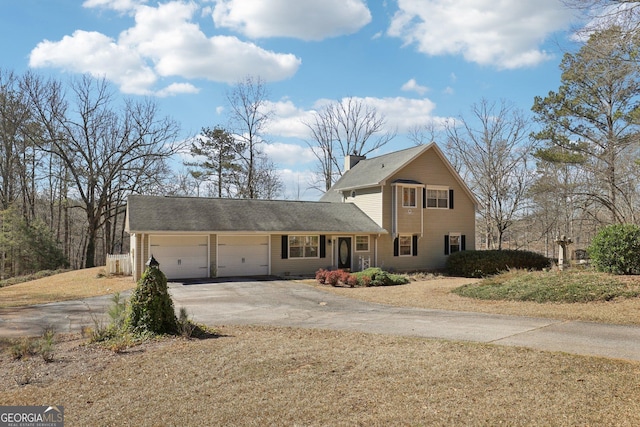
424	198
285	246
323	246
450	199
446	244
396	247
414	246
463	243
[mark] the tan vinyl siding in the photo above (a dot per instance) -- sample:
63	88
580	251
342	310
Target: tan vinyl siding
409	218
298	266
369	200
429	170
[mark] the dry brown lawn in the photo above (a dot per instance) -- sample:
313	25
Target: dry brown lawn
263	376
436	293
71	285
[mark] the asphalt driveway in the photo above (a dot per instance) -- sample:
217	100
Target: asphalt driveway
286	303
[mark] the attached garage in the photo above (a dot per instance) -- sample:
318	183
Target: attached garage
243	256
181	257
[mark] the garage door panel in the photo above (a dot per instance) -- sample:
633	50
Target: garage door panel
181	257
243	255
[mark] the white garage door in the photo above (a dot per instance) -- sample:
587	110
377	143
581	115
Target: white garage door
181	257
243	256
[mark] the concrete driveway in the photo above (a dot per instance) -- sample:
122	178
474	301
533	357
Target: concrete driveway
285	303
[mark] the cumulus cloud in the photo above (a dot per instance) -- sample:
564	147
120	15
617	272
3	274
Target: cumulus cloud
164	42
506	33
302	19
288	154
94	53
288	120
413	86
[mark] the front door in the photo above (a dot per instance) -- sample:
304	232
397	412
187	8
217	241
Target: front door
344	252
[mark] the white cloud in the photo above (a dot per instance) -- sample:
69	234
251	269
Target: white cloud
288	154
298	185
413	86
302	19
98	55
504	33
164	42
401	113
119	5
288	120
177	88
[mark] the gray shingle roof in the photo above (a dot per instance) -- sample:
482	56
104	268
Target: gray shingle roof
186	214
372	172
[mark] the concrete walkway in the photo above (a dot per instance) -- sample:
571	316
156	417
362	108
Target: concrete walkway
284	303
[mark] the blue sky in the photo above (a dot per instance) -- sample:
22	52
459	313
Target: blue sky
416	61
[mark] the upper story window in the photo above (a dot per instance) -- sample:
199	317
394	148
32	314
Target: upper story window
409	197
304	246
438	198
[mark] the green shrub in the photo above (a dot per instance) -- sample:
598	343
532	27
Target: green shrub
487	263
376	276
373	276
151	308
616	249
570	286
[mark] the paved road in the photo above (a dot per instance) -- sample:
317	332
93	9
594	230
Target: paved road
284	303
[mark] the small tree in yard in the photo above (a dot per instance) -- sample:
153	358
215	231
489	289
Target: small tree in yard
616	249
151	305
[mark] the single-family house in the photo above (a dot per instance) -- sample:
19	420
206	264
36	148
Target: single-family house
406	210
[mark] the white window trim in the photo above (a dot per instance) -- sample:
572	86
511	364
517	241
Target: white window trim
440	188
415	197
459	236
410	236
303	236
356	243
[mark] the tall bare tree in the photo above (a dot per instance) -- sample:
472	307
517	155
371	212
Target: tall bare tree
249	116
106	147
345	127
602	14
492	147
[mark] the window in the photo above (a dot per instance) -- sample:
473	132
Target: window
408	197
304	246
404	245
437	198
454	242
362	243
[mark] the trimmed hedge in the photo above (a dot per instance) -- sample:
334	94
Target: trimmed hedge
486	263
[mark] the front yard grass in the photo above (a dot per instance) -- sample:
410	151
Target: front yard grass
254	376
571	286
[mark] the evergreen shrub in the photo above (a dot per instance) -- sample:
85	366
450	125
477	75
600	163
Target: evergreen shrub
616	249
486	263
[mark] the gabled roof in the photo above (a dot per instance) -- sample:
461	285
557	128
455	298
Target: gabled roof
190	214
375	171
